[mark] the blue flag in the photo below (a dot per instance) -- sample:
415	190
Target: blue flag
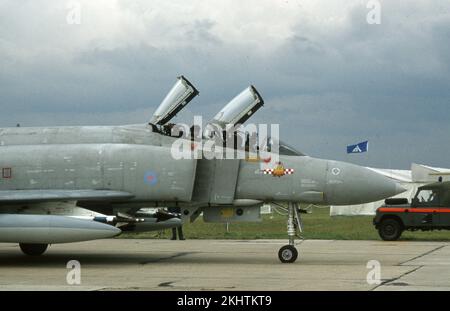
358	148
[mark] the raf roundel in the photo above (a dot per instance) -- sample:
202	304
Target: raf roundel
151	178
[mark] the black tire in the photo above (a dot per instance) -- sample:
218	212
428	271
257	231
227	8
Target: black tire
33	249
390	229
288	254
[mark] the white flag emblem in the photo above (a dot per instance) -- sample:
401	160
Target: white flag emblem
357	149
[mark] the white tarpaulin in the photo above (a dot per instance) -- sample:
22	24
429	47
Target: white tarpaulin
410	180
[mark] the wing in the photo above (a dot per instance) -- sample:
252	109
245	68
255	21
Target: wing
17	196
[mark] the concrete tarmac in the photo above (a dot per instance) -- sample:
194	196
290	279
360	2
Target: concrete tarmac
120	264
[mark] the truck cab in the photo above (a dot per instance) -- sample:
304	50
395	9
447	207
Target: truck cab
429	210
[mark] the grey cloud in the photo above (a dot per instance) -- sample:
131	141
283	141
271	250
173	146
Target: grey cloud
328	86
200	32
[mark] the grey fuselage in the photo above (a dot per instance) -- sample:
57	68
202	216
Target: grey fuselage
135	159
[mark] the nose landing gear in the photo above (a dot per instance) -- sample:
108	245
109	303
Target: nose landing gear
289	253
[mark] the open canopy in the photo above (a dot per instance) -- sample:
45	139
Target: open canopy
178	97
240	108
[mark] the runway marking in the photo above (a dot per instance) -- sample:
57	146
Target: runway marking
391	282
386	282
422	255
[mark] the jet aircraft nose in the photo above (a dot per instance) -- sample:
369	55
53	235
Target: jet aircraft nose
349	184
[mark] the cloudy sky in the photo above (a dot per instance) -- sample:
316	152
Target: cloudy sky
327	76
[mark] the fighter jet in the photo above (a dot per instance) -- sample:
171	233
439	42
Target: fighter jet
79	183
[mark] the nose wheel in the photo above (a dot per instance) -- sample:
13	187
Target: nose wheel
288	253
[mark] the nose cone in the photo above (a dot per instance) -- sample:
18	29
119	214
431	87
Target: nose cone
382	187
349	184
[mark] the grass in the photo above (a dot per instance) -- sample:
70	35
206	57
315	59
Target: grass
317	225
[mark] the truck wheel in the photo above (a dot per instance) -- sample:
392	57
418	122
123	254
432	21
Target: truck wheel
390	229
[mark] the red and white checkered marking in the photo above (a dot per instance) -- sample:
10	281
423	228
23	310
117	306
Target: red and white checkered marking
287	171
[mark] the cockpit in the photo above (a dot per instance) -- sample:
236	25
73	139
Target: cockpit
225	128
287	150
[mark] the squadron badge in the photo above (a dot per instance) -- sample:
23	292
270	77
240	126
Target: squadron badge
278	171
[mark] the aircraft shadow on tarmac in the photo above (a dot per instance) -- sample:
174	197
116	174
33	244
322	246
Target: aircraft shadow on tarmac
12	258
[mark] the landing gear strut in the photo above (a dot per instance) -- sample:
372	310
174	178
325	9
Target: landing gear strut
288	253
33	249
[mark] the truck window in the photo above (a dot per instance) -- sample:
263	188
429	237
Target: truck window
426	197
